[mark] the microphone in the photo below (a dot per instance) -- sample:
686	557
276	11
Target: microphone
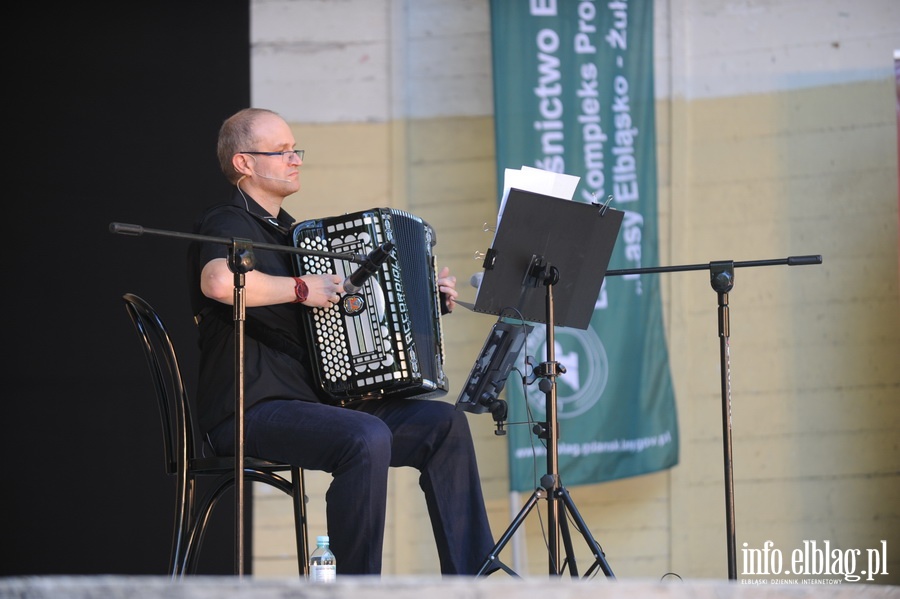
369	267
476	279
259	174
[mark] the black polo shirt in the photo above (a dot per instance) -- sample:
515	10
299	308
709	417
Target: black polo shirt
274	361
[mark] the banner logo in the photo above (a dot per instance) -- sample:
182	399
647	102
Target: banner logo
583	355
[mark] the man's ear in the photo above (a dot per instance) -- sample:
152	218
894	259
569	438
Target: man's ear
242	164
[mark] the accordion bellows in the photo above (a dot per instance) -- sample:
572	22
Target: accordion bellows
384	340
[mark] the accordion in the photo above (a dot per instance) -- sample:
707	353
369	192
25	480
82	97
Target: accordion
384	340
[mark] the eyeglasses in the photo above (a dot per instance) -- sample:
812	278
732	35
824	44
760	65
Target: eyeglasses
285	156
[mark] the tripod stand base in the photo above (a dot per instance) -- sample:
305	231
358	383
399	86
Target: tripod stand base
492	563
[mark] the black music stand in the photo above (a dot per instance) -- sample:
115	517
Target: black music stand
548	242
240	261
576	238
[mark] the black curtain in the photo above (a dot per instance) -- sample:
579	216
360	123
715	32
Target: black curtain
114	110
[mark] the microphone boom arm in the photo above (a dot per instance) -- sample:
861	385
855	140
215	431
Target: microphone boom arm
137	230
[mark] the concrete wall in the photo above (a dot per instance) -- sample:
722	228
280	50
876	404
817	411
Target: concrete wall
777	136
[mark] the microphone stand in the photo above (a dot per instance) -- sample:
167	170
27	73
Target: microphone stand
721	276
240	261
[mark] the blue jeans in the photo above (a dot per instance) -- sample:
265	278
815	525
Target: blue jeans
357	446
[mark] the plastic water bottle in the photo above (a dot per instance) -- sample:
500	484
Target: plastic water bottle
322	566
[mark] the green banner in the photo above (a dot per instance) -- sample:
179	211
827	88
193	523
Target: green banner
573	90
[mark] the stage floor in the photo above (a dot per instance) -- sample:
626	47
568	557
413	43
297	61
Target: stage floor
205	587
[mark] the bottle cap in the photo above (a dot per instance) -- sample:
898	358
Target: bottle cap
322	540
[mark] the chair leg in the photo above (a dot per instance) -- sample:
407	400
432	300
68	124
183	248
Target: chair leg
194	529
197	529
184	499
300	522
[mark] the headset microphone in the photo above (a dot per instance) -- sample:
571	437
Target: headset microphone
258	174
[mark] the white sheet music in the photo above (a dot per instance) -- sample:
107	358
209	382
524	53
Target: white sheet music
557	185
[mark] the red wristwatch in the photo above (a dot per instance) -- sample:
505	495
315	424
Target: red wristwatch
301	291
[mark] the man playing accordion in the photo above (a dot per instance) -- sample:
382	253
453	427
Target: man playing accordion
286	417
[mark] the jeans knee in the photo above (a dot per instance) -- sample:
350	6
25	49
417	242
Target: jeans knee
458	426
372	446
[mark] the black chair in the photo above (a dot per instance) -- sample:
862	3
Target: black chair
183	461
